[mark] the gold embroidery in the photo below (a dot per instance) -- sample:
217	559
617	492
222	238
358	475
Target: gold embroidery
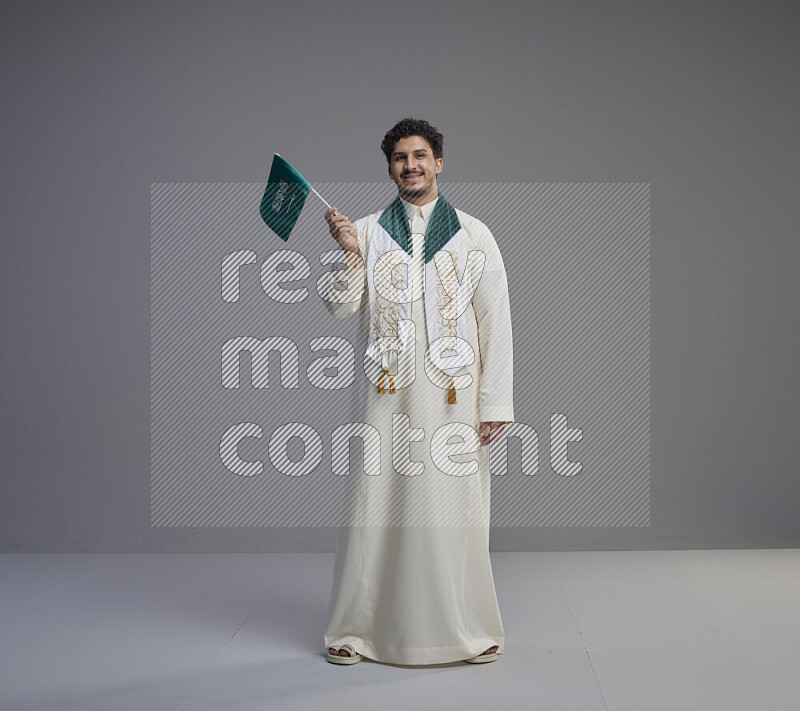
448	328
386	318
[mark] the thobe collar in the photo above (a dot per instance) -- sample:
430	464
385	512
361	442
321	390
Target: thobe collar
427	209
441	223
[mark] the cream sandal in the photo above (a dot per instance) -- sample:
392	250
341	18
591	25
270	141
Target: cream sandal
481	658
352	659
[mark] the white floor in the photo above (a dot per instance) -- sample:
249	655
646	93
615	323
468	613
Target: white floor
626	631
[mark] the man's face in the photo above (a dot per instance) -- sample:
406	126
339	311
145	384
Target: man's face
414	169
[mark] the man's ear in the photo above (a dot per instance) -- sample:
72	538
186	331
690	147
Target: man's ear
439	165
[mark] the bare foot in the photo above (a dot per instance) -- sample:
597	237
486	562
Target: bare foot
491	650
339	652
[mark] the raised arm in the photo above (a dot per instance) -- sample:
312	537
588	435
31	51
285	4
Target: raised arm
342	303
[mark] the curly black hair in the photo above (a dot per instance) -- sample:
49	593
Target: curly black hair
412	127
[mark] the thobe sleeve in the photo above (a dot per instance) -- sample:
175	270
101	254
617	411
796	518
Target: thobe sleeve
493	315
344	303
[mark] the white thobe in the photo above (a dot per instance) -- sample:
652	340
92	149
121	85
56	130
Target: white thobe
413	580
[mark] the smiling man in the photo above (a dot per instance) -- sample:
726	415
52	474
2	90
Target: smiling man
413	580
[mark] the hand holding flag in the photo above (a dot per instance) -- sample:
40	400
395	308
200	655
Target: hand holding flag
342	230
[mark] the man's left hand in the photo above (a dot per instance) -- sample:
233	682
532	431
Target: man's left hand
490	431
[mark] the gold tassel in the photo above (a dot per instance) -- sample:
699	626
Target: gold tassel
381	389
451	395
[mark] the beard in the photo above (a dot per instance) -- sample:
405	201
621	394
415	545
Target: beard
414	190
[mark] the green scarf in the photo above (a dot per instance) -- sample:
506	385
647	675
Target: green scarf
443	224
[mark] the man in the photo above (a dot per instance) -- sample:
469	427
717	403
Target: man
414	584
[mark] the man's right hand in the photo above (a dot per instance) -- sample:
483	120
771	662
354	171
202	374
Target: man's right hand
342	230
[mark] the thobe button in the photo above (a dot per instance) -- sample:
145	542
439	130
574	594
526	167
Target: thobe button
418	276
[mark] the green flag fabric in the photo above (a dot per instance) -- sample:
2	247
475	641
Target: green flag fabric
284	197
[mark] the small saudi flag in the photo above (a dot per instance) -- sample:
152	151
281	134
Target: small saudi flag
284	197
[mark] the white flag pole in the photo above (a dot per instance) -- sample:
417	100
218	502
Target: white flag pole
319	196
312	190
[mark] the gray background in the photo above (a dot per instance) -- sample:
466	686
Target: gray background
100	100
